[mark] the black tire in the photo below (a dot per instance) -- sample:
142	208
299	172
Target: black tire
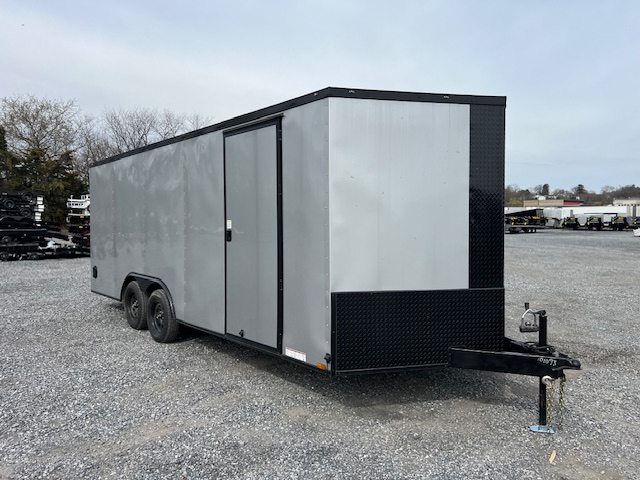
5	239
135	306
25	212
9	203
4	256
162	324
27	197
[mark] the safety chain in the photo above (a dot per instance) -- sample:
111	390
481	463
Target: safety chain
555	412
561	406
551	402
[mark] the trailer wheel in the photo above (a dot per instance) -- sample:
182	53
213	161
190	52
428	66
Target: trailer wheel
5	239
4	256
27	197
135	306
163	326
9	203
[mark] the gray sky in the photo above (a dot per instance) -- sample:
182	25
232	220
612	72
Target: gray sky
570	69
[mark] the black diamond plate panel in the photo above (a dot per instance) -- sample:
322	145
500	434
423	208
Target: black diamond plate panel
486	196
394	330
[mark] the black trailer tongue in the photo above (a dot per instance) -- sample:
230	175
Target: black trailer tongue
536	359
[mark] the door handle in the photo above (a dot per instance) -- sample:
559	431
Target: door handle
228	230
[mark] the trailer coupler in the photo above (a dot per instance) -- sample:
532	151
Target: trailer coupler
523	358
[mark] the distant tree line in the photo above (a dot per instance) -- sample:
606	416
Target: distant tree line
48	145
514	196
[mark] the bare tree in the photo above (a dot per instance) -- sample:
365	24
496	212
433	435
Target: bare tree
196	121
51	129
39	125
169	124
130	129
93	145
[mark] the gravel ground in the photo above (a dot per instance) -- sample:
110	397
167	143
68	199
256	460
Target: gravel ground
84	396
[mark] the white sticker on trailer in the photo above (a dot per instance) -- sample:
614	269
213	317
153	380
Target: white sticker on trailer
290	352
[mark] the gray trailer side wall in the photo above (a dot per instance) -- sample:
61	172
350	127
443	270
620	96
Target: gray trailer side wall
102	232
395	168
161	213
305	212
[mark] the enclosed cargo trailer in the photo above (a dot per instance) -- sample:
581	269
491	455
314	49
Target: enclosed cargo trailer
307	228
310	230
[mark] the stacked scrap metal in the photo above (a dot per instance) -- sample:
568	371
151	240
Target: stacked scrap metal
79	223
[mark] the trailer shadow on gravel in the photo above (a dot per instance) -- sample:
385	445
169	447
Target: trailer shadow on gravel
116	306
380	390
375	396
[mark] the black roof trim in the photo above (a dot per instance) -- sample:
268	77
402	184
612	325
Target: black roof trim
312	97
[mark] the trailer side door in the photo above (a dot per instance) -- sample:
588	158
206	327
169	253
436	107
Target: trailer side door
253	230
